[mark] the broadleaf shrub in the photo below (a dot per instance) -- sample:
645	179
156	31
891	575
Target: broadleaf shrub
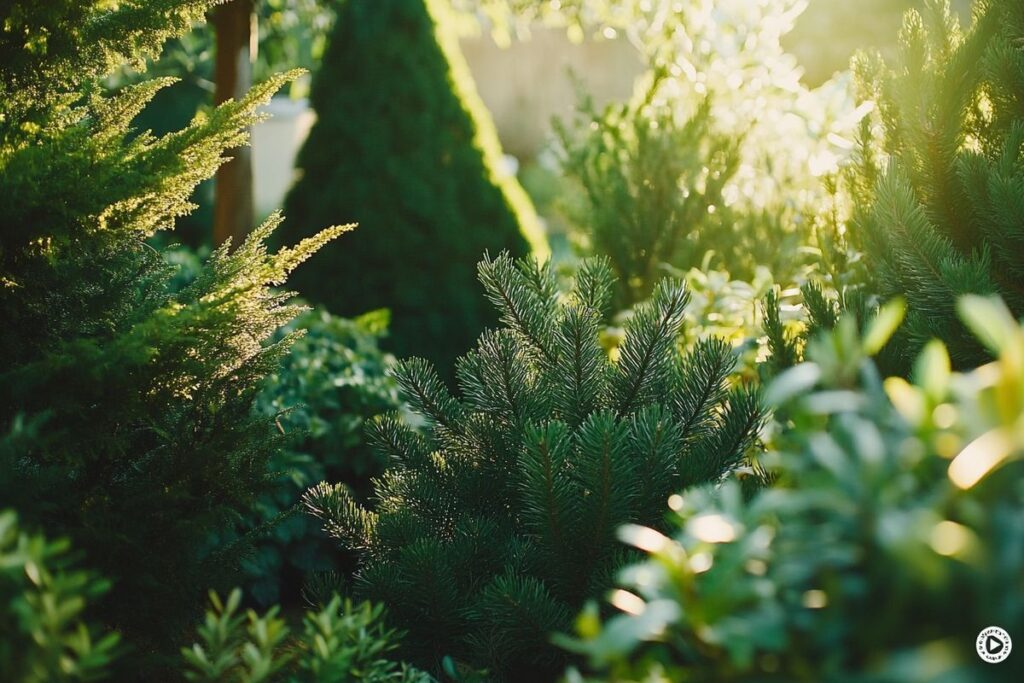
323	395
890	539
340	642
43	597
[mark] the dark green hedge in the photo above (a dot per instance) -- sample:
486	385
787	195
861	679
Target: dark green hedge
403	147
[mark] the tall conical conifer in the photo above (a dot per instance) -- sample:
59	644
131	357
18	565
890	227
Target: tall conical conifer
403	146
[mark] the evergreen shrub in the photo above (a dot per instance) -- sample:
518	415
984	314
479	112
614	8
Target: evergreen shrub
143	443
496	521
652	182
939	209
720	156
403	146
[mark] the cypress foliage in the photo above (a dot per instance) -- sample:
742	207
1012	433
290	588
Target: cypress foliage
403	146
131	403
497	521
943	216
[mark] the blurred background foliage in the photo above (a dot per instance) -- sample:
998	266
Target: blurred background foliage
890	537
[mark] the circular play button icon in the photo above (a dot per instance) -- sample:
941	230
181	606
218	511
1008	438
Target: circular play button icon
994	644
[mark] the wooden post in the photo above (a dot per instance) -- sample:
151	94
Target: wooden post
233	214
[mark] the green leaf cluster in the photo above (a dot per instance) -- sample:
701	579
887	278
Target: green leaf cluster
322	396
340	642
43	596
889	540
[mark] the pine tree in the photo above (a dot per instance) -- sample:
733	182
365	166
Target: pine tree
497	521
133	402
403	146
943	216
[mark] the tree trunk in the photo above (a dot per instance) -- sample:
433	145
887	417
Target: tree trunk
233	215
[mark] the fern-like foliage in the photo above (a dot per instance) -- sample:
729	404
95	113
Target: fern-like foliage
145	447
943	217
497	521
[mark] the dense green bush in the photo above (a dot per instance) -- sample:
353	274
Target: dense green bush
942	216
43	594
403	147
325	391
891	537
495	523
144	441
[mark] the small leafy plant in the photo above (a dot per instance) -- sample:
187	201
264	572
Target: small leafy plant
43	598
339	643
889	540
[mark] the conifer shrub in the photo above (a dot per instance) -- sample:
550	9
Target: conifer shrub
719	157
890	538
326	390
143	443
496	521
942	217
786	341
403	146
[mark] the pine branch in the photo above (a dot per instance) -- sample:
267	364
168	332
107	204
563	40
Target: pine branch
342	517
579	379
649	334
518	301
427	394
727	447
544	488
702	386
